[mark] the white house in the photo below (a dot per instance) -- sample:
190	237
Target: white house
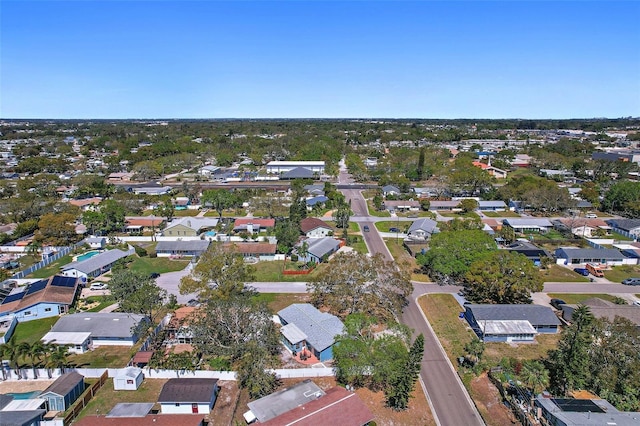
287	166
96	265
96	242
129	378
312	227
188	396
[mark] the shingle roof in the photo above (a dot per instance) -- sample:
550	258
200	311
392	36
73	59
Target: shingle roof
99	324
426	224
499	203
262	223
625	224
298	173
188	390
64	384
535	314
519	223
578	253
195	223
144	220
198	245
96	262
21	418
310	223
321	246
56	289
321	328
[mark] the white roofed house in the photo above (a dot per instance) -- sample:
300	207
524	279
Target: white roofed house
181	248
422	229
286	166
495	206
96	265
528	225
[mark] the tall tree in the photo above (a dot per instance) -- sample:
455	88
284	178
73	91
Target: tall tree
287	232
253	374
57	229
536	377
502	277
399	391
220	273
219	199
137	292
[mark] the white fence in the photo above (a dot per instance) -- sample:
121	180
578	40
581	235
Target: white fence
9	374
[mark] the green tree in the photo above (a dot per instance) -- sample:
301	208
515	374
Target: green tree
57	229
287	232
399	391
624	198
165	209
358	283
220	273
451	253
468	205
219	199
11	351
536	377
252	372
341	216
475	349
502	277
421	160
137	292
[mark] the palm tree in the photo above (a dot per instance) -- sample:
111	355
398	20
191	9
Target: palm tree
34	248
36	352
59	358
475	348
536	376
11	351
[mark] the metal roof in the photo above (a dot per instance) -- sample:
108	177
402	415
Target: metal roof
197	245
96	262
321	328
577	253
506	327
64	338
292	333
280	402
491	204
535	314
523	223
99	324
321	246
426	224
131	409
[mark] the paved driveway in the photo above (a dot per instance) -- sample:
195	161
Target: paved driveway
171	280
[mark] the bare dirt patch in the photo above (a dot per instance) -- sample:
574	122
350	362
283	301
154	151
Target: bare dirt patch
222	413
489	402
20	386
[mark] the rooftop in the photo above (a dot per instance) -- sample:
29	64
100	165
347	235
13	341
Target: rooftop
321	328
96	262
64	384
99	324
280	402
535	314
188	390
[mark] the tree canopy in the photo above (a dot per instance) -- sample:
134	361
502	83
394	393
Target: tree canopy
136	292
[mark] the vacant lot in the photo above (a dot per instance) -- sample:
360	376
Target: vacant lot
619	273
557	273
272	272
506	213
573	298
406	261
279	301
104	356
161	265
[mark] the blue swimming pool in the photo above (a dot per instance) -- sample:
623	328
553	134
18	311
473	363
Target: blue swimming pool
24	395
87	255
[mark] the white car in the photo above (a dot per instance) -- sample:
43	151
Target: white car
98	286
591	216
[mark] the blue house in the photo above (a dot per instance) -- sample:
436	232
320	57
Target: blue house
318	249
510	323
306	328
41	299
64	391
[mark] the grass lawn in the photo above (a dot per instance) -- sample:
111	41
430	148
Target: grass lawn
384	226
471	215
94	303
185	213
375	212
557	273
272	271
506	213
160	265
32	331
573	298
106	398
494	352
405	260
279	301
549	235
52	268
619	273
360	246
105	356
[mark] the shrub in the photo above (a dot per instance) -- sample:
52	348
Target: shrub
140	251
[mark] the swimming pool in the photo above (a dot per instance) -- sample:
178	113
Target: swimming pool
87	255
24	395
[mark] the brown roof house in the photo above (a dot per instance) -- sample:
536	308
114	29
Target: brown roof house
188	396
312	227
261	251
41	299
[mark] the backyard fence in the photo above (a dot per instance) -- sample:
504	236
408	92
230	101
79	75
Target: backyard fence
62	251
85	398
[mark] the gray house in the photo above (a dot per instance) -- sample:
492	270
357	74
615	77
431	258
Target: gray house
510	323
422	229
576	256
493	206
96	265
318	248
181	248
64	391
630	228
390	190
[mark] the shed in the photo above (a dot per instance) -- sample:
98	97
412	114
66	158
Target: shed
64	391
188	396
129	378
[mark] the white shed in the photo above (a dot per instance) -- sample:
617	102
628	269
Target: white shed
129	378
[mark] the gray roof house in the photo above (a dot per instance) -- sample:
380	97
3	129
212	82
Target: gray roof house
96	265
576	256
584	412
422	229
498	205
62	393
318	248
528	225
181	248
306	328
298	173
628	227
189	226
510	323
112	328
390	190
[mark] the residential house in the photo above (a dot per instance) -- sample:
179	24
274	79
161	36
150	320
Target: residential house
422	229
401	205
120	176
41	299
316	201
312	227
96	265
298	173
86	204
181	248
286	166
96	242
444	205
319	249
253	225
188	396
530	250
600	308
189	226
510	323
582	412
129	378
143	223
371	162
95	329
630	228
22	418
314	189
305	328
152	190
306	403
390	190
209	170
493	171
62	393
558	175
576	256
178	327
260	251
492	206
528	225
9	405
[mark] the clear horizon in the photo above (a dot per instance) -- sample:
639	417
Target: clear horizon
165	60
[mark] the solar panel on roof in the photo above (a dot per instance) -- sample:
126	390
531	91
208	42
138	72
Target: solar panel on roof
61	281
37	286
578	405
13	297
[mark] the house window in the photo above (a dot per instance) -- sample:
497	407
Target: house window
129	381
47	309
27	313
177	404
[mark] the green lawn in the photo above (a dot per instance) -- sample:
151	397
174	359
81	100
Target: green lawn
506	213
272	272
557	273
377	213
185	213
619	273
471	215
105	356
278	301
52	268
405	260
32	331
384	226
160	265
573	298
360	246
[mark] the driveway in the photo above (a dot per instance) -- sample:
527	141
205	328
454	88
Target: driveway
171	280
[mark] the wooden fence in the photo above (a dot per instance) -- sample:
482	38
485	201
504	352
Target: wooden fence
85	398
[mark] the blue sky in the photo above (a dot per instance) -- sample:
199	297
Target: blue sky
295	59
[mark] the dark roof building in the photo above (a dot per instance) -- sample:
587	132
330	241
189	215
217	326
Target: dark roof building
188	390
510	323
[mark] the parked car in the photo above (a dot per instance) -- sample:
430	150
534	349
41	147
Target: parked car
631	281
98	286
582	271
154	275
591	216
394	229
557	302
595	271
365	228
